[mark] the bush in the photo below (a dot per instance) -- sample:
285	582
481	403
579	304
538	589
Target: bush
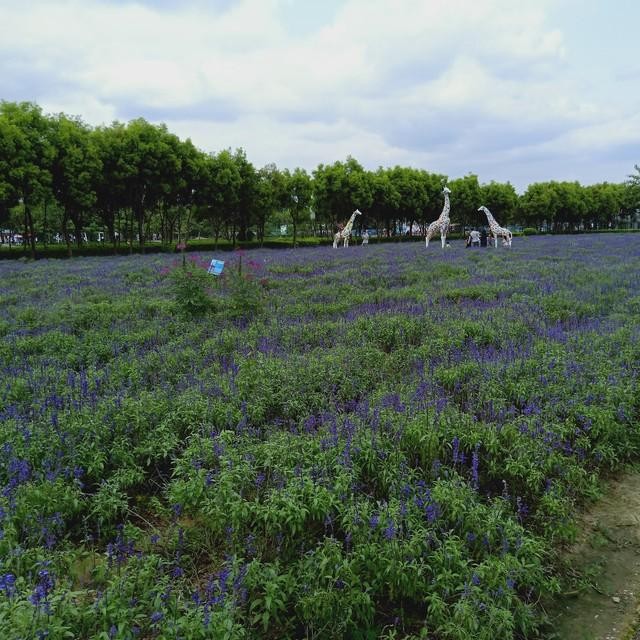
191	286
529	231
246	289
394	450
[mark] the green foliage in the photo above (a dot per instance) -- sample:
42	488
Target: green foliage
387	445
473	292
340	188
501	200
76	167
465	197
191	286
632	190
245	289
59	177
296	197
26	155
562	307
246	296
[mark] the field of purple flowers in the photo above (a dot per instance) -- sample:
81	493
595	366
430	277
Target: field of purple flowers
372	442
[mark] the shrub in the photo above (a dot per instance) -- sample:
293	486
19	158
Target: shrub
191	287
395	451
529	231
246	289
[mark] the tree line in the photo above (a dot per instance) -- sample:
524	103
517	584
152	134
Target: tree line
138	181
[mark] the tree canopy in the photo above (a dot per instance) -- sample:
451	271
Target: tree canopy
138	180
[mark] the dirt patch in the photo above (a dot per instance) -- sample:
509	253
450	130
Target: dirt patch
603	565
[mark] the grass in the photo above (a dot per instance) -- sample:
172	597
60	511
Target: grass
372	442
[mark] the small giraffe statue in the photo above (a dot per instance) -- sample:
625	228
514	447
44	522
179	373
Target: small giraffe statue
496	230
345	232
442	223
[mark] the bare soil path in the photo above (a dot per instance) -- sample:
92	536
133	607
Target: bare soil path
606	563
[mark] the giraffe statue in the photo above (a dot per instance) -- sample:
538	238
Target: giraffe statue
345	232
442	223
496	230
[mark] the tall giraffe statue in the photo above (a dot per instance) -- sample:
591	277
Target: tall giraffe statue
345	232
442	223
496	230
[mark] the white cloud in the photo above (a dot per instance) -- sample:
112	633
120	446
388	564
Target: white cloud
619	131
388	81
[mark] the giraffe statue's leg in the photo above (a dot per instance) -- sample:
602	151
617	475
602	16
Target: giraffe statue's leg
336	239
443	239
429	235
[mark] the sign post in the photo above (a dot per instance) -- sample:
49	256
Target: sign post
216	267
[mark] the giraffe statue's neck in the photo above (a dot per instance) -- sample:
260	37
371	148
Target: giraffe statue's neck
445	211
490	217
347	227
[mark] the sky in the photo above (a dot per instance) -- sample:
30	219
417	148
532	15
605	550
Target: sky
511	90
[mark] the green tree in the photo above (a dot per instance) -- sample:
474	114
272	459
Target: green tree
243	216
26	154
298	196
465	200
181	198
76	170
385	198
340	188
571	205
111	185
271	191
218	190
4	216
538	205
604	201
631	197
434	183
413	197
7	190
501	199
151	160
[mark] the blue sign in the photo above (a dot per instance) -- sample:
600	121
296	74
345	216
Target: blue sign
215	268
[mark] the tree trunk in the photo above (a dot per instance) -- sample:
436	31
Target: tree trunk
78	230
130	221
147	230
31	230
187	232
25	233
111	228
140	220
116	239
163	222
65	233
44	231
261	233
67	241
